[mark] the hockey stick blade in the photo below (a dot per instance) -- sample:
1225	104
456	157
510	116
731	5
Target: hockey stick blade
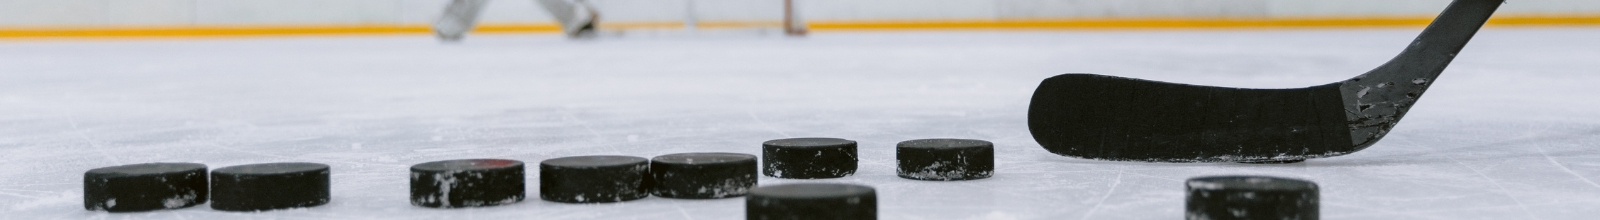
1123	119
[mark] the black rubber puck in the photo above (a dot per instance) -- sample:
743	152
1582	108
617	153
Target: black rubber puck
467	183
144	187
594	179
945	159
1251	197
808	158
812	201
269	186
703	175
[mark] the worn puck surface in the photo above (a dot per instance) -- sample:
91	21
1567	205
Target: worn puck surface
812	201
467	183
594	179
1251	197
144	187
945	159
268	186
808	158
703	175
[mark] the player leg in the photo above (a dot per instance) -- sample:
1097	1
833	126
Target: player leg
577	18
459	17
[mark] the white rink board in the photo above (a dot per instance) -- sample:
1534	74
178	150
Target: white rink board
30	14
1509	132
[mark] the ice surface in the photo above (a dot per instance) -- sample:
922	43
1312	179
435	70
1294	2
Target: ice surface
1509	132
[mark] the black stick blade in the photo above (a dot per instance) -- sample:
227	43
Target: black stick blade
1114	118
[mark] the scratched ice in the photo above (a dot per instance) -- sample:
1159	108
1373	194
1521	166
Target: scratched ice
1510	131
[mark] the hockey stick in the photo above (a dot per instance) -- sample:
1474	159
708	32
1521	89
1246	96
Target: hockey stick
1123	119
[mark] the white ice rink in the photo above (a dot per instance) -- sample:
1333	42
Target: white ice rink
1510	131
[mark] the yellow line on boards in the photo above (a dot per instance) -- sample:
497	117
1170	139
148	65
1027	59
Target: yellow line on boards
1115	24
1536	20
1043	24
1192	23
265	30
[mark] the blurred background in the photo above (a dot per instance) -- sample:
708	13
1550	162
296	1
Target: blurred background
117	18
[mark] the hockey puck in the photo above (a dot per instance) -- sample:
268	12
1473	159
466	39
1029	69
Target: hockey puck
808	158
594	179
703	175
269	186
1251	197
144	187
467	183
945	159
812	201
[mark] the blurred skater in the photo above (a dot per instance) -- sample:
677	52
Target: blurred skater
576	17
